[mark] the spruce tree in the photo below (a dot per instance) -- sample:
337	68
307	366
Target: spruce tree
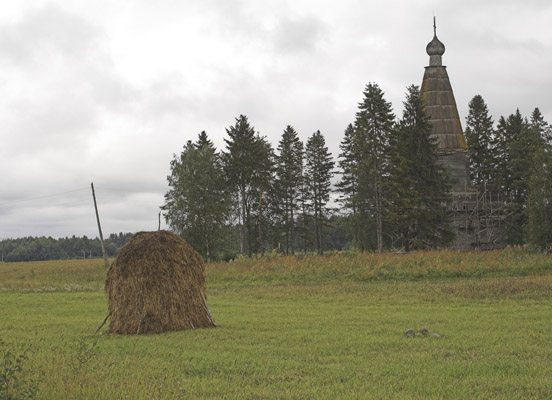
244	159
418	186
539	207
197	203
289	166
203	141
319	166
502	170
540	127
479	135
509	131
261	185
347	185
373	125
517	143
304	221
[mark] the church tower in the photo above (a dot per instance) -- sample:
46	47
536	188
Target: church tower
476	213
441	107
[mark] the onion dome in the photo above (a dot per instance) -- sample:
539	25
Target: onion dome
435	49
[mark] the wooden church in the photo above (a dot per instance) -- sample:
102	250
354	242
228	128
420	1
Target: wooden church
476	213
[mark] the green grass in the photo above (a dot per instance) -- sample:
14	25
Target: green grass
326	338
52	276
352	267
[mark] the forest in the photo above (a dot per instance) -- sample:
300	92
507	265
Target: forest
387	189
48	248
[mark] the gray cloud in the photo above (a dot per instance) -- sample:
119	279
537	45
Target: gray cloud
45	35
61	82
64	100
299	35
104	92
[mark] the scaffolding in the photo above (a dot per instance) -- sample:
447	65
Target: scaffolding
478	216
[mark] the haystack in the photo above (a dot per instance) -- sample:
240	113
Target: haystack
157	284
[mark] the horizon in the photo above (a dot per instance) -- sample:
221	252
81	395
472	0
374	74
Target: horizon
91	96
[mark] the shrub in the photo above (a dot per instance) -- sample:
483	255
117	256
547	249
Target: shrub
14	384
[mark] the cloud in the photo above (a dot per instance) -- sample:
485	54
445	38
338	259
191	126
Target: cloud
46	35
299	34
63	104
58	82
107	92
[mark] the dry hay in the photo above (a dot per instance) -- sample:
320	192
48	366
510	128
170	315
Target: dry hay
157	284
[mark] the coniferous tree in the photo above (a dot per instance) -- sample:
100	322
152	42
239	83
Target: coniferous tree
289	166
502	174
243	160
479	135
347	185
418	186
517	143
262	183
539	207
304	220
319	166
373	125
203	141
540	127
509	131
197	203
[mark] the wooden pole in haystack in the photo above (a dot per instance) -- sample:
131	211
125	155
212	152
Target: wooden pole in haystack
106	262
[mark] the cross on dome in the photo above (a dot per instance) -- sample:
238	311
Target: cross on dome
435	49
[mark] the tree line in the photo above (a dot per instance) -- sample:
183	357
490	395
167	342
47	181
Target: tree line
391	191
514	155
47	248
251	198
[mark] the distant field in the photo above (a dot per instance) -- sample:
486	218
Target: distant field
315	328
89	275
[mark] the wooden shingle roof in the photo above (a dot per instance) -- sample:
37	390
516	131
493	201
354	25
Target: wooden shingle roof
441	106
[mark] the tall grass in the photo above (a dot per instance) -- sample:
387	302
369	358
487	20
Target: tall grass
52	276
89	275
370	267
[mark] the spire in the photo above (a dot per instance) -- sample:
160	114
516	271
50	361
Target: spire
442	111
435	49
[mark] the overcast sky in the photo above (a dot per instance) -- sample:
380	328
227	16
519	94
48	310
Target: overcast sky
107	91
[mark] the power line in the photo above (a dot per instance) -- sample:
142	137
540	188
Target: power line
134	191
41	197
111	189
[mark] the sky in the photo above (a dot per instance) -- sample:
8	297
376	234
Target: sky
108	91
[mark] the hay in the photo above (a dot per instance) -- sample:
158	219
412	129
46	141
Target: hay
157	284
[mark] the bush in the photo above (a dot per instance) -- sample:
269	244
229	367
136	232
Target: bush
13	383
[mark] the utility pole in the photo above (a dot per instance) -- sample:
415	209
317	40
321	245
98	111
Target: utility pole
106	262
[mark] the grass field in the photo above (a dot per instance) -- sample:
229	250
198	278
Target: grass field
289	328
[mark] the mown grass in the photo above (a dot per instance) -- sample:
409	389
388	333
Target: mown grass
327	337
